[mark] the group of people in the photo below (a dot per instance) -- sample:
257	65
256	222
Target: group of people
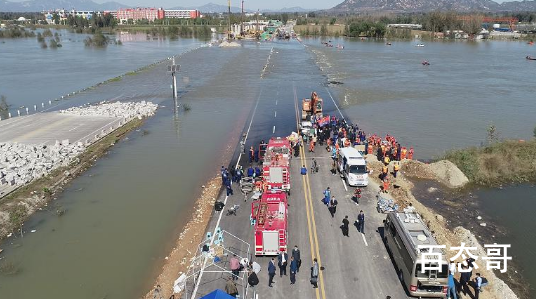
253	268
465	280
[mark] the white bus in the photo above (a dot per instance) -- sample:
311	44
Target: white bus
403	233
353	167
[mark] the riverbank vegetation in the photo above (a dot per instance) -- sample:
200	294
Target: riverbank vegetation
509	161
16	32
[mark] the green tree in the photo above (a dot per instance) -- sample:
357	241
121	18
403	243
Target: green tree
323	30
534	132
332	21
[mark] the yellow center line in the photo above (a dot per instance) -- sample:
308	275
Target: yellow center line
310	204
310	211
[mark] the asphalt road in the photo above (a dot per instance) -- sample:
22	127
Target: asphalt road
357	266
46	128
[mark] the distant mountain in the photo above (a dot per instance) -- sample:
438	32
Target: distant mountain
40	5
289	9
359	6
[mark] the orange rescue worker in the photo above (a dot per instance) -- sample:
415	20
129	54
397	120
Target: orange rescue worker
395	152
370	149
346	142
410	153
403	153
396	168
385	184
312	144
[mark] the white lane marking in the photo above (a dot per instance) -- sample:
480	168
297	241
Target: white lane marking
364	240
275	113
335	103
273	131
276	102
344	184
225	201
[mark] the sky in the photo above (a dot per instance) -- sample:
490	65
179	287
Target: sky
248	4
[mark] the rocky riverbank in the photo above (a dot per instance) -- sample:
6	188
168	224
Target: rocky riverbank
38	173
449	175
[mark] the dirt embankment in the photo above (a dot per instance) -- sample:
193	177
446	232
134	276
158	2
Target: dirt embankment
16	208
401	191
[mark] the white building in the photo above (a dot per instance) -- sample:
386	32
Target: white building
182	14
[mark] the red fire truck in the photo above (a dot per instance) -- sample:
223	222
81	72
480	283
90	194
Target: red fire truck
270	214
276	165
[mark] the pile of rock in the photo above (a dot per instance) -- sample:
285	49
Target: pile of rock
127	110
20	163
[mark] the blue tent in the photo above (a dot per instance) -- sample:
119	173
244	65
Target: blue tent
218	294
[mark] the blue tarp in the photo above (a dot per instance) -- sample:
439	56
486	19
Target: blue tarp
218	294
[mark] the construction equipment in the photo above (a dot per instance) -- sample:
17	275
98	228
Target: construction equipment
270	215
312	107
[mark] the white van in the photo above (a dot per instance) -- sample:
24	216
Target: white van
353	167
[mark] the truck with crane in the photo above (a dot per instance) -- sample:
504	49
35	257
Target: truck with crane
312	108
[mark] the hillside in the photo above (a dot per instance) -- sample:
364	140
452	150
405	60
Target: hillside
359	6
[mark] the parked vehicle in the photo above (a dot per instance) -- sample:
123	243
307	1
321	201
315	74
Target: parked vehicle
270	214
403	233
353	167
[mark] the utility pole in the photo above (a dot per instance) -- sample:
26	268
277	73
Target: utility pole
173	69
229	28
242	19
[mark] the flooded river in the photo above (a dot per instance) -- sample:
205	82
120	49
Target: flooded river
121	213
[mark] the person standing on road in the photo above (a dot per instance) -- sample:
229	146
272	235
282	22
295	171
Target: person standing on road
251	155
255	267
235	267
229	189
361	222
253	279
327	196
282	261
297	257
465	278
271	272
293	270
344	227
451	293
314	166
333	206
314	274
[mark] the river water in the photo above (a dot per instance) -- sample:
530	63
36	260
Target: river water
122	212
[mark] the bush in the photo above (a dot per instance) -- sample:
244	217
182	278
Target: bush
17	215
